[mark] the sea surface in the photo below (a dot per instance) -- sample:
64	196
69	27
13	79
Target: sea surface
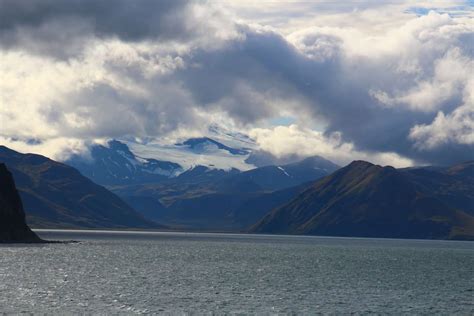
192	273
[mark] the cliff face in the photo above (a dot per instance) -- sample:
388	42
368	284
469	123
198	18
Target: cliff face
13	226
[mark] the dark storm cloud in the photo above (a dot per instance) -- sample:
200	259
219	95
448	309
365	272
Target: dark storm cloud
129	20
251	76
265	63
47	26
268	64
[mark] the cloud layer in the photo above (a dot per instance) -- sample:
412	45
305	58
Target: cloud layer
380	82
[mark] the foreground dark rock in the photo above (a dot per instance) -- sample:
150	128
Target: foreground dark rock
366	200
13	226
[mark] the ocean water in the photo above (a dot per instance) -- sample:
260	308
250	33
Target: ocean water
190	273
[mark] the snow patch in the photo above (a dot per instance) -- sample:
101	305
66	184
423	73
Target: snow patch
284	171
213	157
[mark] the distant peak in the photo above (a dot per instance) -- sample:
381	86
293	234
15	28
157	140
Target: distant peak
198	140
5	148
360	163
316	160
361	167
117	145
199	144
313	159
113	143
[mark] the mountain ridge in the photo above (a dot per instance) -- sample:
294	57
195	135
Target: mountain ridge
57	195
201	197
367	200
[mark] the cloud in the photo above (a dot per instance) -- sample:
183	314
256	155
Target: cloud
57	148
456	127
382	84
284	141
102	95
387	82
448	82
156	18
63	29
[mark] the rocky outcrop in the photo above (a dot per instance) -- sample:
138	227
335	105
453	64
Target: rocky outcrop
13	226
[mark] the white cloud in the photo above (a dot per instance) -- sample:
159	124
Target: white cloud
55	148
418	64
284	141
456	127
111	89
450	79
372	74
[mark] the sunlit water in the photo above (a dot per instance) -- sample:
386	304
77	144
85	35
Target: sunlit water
202	273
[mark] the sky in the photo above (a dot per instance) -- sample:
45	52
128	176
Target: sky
386	81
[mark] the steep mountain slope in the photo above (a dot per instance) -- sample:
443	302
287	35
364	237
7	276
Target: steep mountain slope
13	226
129	161
206	144
366	200
453	185
255	207
115	164
56	195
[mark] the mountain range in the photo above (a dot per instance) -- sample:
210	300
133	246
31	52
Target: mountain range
198	195
228	184
366	200
212	199
126	162
132	160
114	163
56	195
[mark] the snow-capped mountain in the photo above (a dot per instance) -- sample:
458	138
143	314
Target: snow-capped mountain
114	163
201	183
194	152
221	152
219	149
128	161
206	145
231	138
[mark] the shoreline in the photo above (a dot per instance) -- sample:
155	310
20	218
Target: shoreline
38	242
123	232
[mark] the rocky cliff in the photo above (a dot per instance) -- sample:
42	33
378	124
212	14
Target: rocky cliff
13	226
